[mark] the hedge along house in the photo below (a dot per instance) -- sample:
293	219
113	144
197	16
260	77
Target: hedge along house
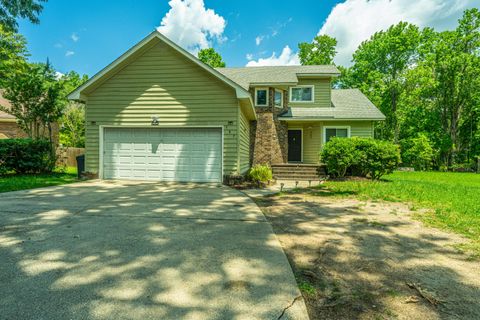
158	113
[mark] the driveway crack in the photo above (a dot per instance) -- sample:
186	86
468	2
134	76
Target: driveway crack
289	306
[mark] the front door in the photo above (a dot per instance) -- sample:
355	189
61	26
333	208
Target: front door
294	145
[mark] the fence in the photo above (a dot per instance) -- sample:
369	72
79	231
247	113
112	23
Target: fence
66	156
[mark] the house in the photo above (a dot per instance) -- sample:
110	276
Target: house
8	124
159	113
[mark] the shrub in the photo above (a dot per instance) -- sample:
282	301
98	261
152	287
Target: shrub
360	156
382	157
26	156
260	173
418	152
339	154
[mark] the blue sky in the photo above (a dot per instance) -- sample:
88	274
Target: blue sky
87	35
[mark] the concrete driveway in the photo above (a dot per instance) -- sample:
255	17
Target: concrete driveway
128	250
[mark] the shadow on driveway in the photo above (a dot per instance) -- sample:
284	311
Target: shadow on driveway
128	250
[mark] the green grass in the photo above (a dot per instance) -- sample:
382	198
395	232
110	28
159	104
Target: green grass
30	181
454	198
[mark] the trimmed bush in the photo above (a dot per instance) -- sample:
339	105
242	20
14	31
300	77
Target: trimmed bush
260	173
339	155
26	156
360	156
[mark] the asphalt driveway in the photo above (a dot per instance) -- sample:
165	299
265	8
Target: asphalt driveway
128	250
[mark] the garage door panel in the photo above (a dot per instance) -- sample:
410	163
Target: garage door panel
163	154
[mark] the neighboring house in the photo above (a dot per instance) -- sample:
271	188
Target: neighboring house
10	129
159	113
8	124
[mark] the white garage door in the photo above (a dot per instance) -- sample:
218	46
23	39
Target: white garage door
166	154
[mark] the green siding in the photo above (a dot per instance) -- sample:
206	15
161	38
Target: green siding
243	143
322	93
162	82
313	135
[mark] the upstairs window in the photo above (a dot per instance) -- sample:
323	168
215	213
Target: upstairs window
301	94
279	98
330	132
261	97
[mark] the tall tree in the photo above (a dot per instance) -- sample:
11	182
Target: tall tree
13	53
211	57
379	66
11	10
453	58
321	50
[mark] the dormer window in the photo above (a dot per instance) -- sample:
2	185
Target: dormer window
261	97
301	94
279	98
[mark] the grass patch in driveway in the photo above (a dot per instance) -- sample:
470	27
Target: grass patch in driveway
30	181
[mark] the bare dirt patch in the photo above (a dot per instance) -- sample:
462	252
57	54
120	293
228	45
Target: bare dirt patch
371	260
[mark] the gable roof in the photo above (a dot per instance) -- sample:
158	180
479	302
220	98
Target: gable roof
241	92
347	104
285	75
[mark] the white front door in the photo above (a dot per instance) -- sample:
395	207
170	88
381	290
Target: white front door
164	154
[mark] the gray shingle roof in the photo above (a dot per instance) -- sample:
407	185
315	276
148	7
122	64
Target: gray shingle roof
274	74
346	104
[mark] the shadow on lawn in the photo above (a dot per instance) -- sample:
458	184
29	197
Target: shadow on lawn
354	264
111	251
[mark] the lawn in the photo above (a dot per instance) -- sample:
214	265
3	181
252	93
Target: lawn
30	181
454	198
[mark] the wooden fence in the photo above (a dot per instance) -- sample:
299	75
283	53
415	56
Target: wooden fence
66	156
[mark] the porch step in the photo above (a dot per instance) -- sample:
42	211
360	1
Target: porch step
298	172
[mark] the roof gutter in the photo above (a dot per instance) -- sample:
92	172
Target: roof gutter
329	119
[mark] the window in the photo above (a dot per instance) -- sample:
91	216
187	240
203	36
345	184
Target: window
301	94
261	97
330	132
279	98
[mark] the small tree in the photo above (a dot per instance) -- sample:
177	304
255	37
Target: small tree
36	101
72	131
211	57
418	152
72	123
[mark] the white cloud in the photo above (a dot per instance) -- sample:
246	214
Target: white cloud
354	21
259	40
249	56
58	45
69	53
192	26
75	37
286	58
58	75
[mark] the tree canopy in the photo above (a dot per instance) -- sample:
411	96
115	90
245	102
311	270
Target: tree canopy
320	51
426	83
10	11
211	57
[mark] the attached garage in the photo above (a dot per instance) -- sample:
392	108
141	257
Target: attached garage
163	154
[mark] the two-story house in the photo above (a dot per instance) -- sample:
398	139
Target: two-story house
158	113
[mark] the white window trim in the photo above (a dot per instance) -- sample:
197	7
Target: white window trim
261	105
281	103
301	153
302	86
349	129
